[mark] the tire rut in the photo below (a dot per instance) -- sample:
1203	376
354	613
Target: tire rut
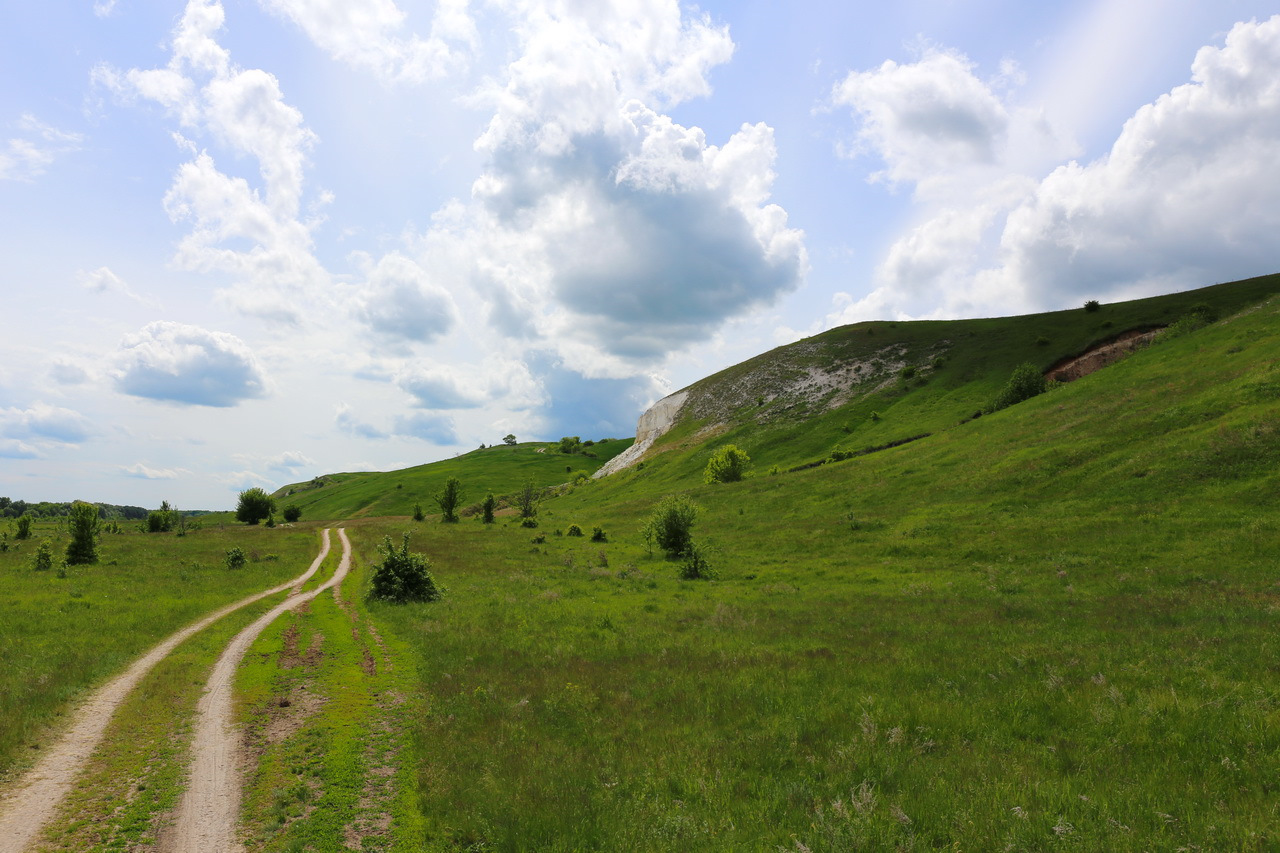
33	801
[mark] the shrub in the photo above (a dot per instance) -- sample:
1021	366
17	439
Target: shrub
158	521
449	499
401	576
670	524
254	506
1025	382
1092	305
83	547
938	362
292	513
1042	341
271	519
529	522
235	558
417	512
24	527
598	535
727	465
574	530
487	508
695	566
839	454
42	559
570	444
527	501
907	372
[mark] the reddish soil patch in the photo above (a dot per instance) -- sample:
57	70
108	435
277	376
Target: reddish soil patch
1101	355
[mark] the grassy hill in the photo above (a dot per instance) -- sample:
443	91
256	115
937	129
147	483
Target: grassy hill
501	469
1052	626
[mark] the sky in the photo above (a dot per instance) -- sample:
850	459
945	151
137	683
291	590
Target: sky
249	242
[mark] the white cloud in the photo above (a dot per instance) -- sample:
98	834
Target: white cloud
435	428
243	110
1187	195
289	462
68	373
43	422
103	280
370	35
457	386
26	157
185	364
143	472
348	422
12	448
401	301
104	8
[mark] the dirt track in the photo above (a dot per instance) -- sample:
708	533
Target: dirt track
33	801
209	811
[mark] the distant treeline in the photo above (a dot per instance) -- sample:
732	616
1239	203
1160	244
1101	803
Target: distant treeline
48	509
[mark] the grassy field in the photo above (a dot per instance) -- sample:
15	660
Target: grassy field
61	633
1052	627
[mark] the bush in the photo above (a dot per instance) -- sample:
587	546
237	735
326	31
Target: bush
1092	305
1025	382
570	444
574	530
449	499
24	527
401	576
417	512
292	513
670	525
527	501
695	566
271	519
42	559
598	535
529	522
162	519
83	547
907	372
727	465
235	558
487	508
254	506
839	454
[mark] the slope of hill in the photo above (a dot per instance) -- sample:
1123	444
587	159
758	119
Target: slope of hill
501	469
872	384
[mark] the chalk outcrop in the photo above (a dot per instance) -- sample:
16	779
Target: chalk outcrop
653	424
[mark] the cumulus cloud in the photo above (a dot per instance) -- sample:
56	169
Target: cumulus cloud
177	363
143	472
600	226
43	422
458	386
1187	195
402	302
243	110
348	422
67	373
103	280
27	156
289	462
371	35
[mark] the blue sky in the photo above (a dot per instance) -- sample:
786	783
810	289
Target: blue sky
251	241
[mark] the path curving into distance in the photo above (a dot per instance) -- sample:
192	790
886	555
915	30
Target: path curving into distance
210	809
33	801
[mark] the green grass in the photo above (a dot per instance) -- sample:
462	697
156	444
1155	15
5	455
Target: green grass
500	469
1050	627
61	636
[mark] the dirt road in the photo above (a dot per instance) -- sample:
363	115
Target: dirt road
209	811
33	801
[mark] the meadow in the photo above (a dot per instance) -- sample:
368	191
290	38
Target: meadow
1050	627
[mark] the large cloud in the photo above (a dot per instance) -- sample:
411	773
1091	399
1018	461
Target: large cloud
402	302
600	226
1187	195
43	422
185	364
245	111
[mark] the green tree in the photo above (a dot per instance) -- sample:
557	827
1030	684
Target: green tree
292	513
1092	305
527	500
24	527
401	576
254	506
83	547
161	520
449	499
570	444
1026	382
487	507
42	559
727	465
509	439
670	525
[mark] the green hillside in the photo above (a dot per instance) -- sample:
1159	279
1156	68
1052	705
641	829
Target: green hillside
1049	627
501	469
